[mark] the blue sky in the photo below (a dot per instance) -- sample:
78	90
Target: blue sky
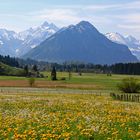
121	16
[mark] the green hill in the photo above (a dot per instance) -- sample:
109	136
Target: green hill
10	71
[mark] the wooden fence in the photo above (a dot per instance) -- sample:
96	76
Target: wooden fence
126	97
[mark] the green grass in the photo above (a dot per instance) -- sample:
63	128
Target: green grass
107	82
42	115
8	70
100	80
12	78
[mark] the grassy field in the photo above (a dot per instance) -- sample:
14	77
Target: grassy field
58	114
86	81
67	116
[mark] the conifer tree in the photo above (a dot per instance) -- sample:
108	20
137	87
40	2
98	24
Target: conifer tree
53	74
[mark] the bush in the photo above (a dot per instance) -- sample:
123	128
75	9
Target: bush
41	75
63	79
129	85
31	81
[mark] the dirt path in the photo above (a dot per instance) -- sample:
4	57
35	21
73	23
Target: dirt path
48	84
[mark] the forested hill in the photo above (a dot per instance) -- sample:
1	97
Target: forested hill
10	71
9	61
10	66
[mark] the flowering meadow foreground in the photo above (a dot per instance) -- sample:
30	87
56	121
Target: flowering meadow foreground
67	116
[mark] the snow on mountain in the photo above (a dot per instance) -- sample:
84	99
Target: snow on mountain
17	44
116	37
9	42
132	39
38	32
81	43
1	43
132	43
34	36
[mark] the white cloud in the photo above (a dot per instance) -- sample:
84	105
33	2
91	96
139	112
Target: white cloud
134	27
64	17
59	16
125	6
101	7
131	5
107	17
129	18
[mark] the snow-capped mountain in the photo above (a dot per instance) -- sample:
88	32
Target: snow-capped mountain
9	42
82	43
17	44
34	36
132	43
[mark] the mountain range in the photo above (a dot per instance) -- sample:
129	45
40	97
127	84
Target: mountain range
9	42
130	41
18	44
81	42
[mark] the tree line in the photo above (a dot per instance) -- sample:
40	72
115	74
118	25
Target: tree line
120	68
27	65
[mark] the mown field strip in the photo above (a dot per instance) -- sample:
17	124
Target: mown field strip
52	90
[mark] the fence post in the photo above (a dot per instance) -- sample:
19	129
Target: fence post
125	97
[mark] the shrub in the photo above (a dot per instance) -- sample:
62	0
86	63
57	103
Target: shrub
31	81
63	79
129	85
41	75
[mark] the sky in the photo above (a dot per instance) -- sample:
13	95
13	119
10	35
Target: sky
122	16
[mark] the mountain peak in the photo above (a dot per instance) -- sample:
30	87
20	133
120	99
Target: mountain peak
116	37
114	34
81	42
85	24
130	41
45	24
131	38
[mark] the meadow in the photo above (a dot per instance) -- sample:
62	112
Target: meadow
45	116
66	110
89	81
